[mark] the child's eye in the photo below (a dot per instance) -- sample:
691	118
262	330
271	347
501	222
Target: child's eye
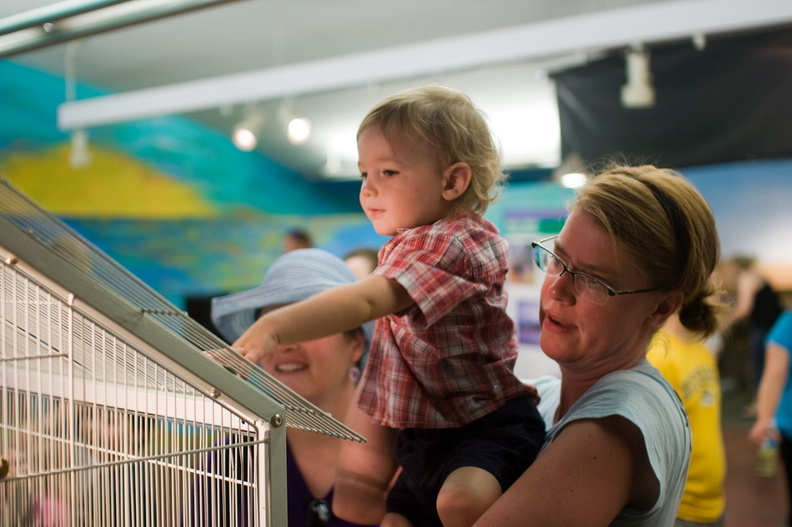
363	175
389	172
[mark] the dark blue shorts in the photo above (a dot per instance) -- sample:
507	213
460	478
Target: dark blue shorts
504	443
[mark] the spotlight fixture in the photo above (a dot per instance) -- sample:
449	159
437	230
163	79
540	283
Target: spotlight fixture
80	154
572	172
638	92
299	130
574	179
245	132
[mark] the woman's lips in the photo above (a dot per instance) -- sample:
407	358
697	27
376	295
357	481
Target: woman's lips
553	324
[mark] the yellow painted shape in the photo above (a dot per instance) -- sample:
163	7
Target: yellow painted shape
113	185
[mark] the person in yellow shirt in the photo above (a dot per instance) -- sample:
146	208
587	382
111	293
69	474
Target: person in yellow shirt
691	368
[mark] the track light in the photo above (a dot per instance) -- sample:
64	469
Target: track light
574	179
245	133
572	172
299	130
80	155
638	92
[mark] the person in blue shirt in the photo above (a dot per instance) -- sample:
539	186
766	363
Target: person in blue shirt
774	397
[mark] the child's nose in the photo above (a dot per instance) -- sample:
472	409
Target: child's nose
367	187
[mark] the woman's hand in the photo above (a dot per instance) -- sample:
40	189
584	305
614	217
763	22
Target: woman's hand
762	430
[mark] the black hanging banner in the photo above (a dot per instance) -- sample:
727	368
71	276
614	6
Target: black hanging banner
730	101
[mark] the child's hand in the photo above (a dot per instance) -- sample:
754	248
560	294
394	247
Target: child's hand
256	343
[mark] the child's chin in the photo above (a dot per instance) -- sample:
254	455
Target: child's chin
383	231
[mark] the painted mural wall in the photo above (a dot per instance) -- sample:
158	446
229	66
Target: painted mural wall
174	202
192	216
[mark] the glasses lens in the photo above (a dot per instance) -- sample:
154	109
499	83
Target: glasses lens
590	289
318	513
540	257
548	262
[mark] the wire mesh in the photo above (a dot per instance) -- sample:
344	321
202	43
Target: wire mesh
109	411
94	432
101	272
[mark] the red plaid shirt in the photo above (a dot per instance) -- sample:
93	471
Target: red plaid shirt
448	359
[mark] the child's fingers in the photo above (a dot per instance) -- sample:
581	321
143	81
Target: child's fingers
221	356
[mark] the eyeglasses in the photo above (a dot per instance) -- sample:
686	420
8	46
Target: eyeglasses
318	513
588	287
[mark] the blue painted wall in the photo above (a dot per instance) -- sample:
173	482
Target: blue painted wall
245	202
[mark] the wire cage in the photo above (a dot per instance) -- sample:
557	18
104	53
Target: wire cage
112	412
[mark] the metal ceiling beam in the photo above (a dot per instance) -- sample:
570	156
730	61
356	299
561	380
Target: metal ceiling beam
72	19
658	22
52	13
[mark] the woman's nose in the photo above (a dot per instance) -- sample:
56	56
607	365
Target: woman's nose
562	288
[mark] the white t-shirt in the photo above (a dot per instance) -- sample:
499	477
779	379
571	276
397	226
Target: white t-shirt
642	396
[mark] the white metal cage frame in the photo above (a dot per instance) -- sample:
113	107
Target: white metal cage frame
110	411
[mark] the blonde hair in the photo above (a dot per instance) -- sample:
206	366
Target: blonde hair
667	227
447	123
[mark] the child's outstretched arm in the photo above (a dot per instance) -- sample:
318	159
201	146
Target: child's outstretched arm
333	311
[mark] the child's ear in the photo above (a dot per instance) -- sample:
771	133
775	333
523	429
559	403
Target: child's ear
456	180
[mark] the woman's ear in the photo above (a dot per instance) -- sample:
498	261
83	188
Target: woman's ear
456	180
669	303
359	347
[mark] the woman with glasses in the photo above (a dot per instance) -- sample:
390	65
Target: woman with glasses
639	245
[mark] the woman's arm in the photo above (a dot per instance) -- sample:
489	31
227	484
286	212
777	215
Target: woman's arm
774	378
333	311
748	283
591	471
365	470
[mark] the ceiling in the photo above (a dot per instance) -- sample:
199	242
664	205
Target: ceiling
351	53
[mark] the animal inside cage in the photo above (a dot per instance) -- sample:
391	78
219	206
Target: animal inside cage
111	412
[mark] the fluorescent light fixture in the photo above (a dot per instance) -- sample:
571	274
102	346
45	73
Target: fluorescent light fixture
660	21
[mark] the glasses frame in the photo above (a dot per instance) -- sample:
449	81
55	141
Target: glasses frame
611	291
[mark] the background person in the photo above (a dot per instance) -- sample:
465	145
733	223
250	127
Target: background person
439	390
690	366
362	261
758	304
323	370
297	239
774	400
619	448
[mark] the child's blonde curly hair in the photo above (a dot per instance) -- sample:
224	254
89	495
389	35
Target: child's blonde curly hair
447	123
